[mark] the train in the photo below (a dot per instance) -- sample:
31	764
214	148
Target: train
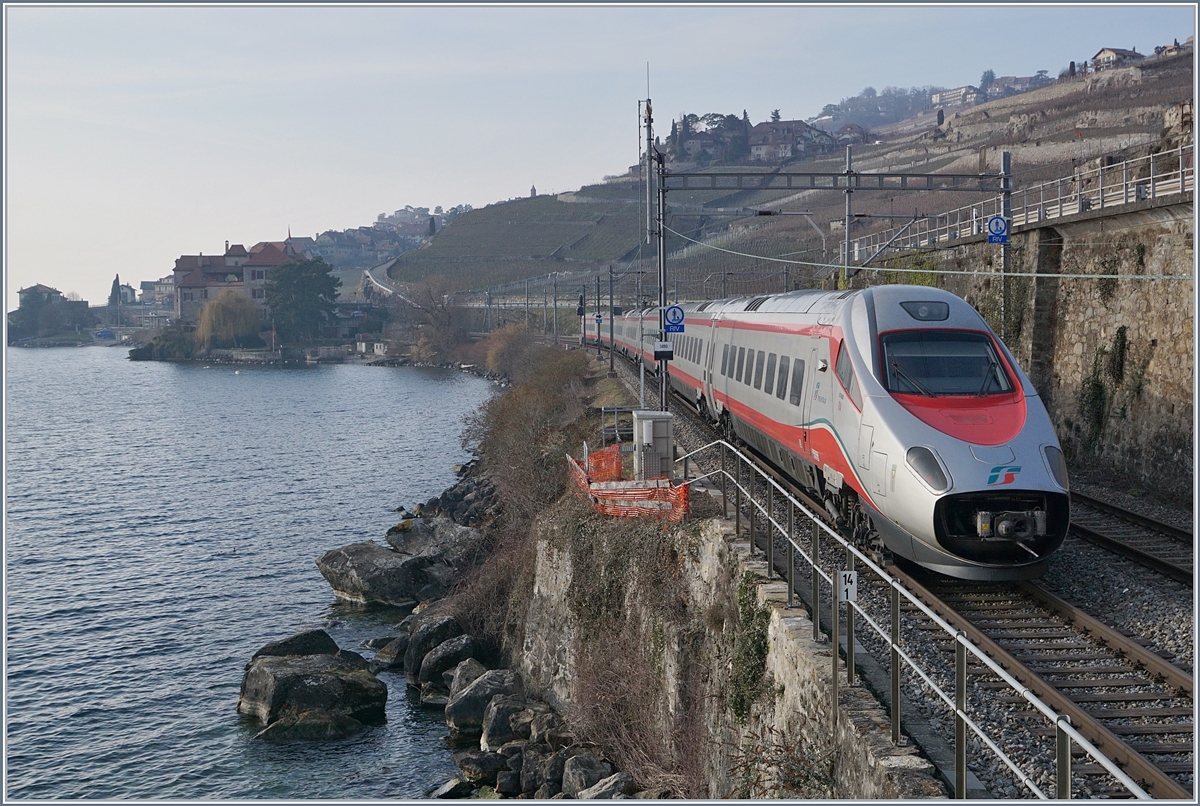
897	406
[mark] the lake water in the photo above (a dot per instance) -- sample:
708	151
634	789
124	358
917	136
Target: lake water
162	522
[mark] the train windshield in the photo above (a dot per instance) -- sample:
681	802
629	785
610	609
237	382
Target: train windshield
943	362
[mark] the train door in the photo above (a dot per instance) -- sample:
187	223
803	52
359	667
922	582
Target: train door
706	375
811	385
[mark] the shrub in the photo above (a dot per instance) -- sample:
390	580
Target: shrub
230	320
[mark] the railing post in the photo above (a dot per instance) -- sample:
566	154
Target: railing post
835	608
960	724
1062	754
737	501
1153	182
1125	181
816	580
1059	183
791	554
849	626
724	486
753	519
1102	185
895	664
770	535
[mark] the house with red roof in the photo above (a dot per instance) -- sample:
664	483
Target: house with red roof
199	278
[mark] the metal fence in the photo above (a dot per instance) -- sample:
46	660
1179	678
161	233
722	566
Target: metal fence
750	484
1145	178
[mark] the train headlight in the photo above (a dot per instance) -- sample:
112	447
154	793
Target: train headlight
926	465
1057	464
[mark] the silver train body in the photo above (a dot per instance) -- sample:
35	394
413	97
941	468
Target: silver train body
897	406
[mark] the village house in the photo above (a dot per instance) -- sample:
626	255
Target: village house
1108	58
46	293
850	134
159	293
960	96
199	278
256	266
782	139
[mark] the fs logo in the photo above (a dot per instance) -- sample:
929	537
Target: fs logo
1003	474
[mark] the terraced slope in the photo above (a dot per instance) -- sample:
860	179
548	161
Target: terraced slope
530	237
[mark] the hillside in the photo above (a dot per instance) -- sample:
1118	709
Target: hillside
1117	113
528	237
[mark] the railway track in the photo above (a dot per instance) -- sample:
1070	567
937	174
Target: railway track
1132	704
1160	546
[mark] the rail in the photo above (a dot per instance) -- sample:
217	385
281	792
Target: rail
1145	178
956	700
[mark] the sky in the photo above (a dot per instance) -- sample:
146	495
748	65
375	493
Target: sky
136	134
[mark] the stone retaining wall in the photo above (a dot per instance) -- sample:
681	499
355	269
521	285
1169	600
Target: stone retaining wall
788	725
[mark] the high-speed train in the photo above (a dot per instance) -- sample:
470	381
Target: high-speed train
896	405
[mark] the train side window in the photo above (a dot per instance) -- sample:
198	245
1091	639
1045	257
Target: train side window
740	362
845	374
758	371
785	363
769	378
749	379
797	383
725	361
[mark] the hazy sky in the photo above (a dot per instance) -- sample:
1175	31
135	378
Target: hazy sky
136	134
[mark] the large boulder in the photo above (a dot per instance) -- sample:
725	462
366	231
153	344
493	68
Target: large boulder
455	788
465	710
428	634
278	686
464	674
446	656
308	642
371	573
620	783
497	728
310	726
391	656
438	539
582	772
479	766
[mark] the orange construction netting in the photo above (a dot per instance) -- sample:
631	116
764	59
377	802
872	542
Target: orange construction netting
610	495
605	464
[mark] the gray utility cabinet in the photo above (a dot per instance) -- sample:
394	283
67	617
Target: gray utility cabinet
654	444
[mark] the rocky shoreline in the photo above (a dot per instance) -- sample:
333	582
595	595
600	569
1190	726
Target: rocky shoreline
507	742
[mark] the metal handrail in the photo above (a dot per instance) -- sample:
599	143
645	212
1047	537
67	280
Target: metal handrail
1045	201
1059	721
